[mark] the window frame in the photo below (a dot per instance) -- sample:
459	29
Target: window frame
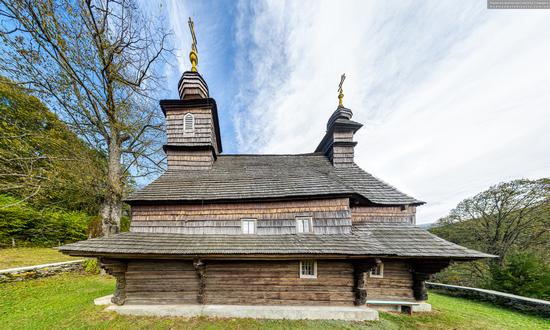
190	131
310	224
381	275
307	276
254	221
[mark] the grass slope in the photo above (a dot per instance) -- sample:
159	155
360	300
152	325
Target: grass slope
20	257
65	302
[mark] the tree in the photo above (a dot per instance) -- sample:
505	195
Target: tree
41	160
508	215
523	273
96	62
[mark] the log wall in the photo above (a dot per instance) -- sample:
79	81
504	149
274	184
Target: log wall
258	282
279	283
273	218
394	214
395	285
161	282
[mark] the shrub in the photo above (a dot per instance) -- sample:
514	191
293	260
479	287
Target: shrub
91	266
28	226
523	273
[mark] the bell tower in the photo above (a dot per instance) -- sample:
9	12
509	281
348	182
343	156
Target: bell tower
192	126
338	144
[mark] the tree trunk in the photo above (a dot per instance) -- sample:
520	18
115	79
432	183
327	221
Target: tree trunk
111	210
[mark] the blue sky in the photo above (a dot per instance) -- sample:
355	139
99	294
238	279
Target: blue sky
454	97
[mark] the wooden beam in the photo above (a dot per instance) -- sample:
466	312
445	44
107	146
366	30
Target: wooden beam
200	268
116	268
360	270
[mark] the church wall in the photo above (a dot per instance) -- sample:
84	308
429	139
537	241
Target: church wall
204	132
391	214
278	283
161	282
330	216
259	282
395	285
179	160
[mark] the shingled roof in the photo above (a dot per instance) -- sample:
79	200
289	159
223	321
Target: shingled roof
253	177
389	240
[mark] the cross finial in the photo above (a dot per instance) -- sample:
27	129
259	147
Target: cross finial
194	54
340	90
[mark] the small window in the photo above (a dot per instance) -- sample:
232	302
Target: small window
188	123
377	271
308	269
248	226
304	225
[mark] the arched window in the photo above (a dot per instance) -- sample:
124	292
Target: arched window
188	123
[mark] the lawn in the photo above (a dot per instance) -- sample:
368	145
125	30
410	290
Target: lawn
65	302
19	257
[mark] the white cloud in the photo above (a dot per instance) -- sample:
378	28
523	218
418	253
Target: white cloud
454	97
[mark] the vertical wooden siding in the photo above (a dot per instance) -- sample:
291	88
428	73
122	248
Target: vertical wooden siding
274	218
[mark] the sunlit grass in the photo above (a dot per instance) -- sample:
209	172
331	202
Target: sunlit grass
66	302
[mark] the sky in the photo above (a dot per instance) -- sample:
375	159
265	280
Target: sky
454	97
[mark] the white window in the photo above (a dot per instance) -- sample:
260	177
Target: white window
308	269
188	123
377	271
248	226
304	225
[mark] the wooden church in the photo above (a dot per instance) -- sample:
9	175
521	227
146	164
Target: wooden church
308	229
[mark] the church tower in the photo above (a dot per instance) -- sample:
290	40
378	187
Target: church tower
192	126
338	144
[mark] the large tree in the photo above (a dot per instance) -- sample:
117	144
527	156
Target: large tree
96	63
509	215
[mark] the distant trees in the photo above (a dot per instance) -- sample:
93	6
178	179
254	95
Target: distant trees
509	214
511	220
96	63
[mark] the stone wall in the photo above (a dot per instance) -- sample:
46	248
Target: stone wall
523	304
38	271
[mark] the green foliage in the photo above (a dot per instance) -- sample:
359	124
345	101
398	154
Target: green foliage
26	225
91	266
507	218
41	159
523	273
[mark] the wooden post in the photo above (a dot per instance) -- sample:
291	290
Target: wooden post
117	269
360	270
200	268
419	286
421	271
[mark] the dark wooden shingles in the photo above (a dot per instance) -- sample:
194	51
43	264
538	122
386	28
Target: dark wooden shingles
235	177
367	239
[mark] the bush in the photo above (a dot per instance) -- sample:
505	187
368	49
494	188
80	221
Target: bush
91	266
28	226
523	273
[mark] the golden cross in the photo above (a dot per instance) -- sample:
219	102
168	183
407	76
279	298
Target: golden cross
340	90
194	54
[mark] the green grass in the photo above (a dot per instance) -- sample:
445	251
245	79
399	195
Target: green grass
20	257
65	302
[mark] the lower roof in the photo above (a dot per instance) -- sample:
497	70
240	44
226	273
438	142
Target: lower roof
384	240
